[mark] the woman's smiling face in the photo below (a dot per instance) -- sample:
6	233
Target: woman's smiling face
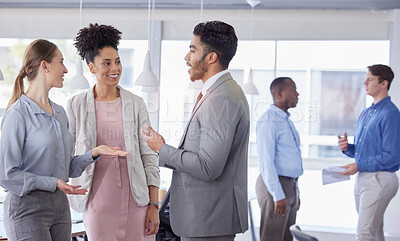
107	67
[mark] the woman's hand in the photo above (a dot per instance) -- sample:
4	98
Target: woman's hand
108	151
70	189
152	220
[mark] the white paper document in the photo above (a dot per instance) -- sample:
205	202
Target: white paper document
331	175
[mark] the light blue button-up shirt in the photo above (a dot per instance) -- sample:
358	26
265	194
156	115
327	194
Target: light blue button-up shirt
36	148
278	147
377	141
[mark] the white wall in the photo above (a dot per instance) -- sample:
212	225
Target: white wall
392	218
395	57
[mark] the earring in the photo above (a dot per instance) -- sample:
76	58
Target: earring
46	70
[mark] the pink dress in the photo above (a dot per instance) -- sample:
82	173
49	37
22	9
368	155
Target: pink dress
111	213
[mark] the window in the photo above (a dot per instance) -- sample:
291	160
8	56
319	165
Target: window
132	53
329	76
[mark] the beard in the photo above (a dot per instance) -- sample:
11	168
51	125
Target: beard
198	70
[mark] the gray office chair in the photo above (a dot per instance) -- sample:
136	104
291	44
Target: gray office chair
299	235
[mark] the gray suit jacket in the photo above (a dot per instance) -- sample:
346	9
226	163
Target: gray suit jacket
209	182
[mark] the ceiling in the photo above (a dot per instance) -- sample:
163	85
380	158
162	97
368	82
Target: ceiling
208	4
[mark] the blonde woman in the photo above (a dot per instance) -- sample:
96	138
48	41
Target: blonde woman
122	202
36	152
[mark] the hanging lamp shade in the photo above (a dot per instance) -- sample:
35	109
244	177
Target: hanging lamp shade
1	75
249	88
253	3
147	78
79	81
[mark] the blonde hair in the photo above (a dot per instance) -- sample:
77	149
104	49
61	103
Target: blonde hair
36	52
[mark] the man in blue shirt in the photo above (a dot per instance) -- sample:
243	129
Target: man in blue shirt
376	150
278	147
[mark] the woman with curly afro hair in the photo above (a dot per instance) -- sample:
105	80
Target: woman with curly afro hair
122	199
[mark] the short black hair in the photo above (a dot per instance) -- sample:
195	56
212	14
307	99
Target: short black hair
383	71
94	38
279	84
218	37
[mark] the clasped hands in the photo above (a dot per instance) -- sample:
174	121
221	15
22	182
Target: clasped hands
100	150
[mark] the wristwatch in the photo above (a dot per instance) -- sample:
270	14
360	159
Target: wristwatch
156	204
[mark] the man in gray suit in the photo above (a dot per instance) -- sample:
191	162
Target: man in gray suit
209	182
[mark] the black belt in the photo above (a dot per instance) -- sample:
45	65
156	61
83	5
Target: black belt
294	179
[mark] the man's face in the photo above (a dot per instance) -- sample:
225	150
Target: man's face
372	85
290	94
195	59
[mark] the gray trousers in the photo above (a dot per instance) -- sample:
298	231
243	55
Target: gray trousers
373	192
275	227
216	238
37	216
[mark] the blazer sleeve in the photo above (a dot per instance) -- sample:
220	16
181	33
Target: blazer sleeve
148	156
71	120
78	163
218	120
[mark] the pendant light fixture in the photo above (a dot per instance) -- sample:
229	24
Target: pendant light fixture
249	87
1	75
201	10
198	84
79	81
147	78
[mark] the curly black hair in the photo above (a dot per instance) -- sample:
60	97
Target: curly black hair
94	38
218	37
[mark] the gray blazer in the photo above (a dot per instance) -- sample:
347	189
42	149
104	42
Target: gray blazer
142	161
209	182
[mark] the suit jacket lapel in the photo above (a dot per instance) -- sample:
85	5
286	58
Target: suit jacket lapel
91	116
217	83
128	118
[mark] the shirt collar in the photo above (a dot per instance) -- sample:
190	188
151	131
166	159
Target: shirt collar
211	81
280	112
381	103
36	108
